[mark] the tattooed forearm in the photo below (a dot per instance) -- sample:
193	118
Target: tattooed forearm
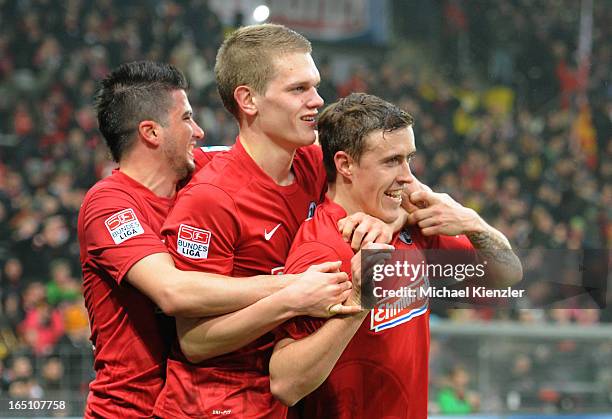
488	240
494	248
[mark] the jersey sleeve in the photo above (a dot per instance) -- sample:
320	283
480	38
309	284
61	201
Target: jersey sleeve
202	230
306	254
300	259
115	233
298	328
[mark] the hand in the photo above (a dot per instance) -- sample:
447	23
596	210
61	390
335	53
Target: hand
362	267
441	214
415	186
320	291
364	229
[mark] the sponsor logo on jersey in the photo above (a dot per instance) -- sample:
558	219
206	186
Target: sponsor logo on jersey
392	312
193	242
268	234
123	225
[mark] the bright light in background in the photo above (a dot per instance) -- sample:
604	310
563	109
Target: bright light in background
261	13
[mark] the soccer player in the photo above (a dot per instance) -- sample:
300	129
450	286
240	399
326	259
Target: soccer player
382	372
246	207
146	120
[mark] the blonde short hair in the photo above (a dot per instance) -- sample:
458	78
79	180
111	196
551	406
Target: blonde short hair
246	57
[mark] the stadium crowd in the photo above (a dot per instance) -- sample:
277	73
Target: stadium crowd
522	146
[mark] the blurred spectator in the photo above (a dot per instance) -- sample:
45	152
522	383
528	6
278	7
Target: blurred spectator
23	383
63	287
42	327
52	376
456	397
12	291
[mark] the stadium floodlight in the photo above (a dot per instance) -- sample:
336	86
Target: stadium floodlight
261	13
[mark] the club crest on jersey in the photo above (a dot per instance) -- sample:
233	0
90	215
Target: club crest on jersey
311	210
123	225
193	242
390	312
405	237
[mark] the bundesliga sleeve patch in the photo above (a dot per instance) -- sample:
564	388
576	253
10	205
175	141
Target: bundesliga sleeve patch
123	225
193	242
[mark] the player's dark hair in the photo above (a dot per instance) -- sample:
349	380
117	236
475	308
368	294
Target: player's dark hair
247	56
344	124
132	93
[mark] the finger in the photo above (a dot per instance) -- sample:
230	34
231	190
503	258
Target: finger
379	246
412	219
409	207
354	219
427	198
339	277
346	294
345	286
370	237
428	222
334	308
326	267
384	237
342	309
430	231
358	235
421	214
347	229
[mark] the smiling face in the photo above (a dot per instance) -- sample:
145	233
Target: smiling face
180	133
382	172
286	112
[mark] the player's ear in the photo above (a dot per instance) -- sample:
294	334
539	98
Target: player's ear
150	132
243	95
344	164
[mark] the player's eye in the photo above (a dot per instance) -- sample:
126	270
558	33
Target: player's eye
393	161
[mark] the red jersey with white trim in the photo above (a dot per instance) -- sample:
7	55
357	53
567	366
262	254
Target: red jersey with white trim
119	224
233	219
383	372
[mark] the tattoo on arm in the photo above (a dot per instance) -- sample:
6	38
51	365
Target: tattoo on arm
493	247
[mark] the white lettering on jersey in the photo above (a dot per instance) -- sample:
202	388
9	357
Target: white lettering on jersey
123	225
193	242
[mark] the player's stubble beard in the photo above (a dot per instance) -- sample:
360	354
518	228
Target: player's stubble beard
180	161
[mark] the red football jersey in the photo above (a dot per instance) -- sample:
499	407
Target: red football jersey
383	372
119	224
233	219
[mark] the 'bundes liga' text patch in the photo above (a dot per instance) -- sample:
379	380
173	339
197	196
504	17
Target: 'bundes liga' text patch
123	225
193	242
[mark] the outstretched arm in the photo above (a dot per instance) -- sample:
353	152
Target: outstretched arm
198	294
440	214
312	295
